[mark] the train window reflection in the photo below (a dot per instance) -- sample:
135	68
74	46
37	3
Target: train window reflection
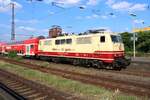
116	38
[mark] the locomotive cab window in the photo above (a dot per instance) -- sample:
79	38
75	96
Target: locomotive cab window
102	39
116	38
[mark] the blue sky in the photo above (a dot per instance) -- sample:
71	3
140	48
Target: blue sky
35	18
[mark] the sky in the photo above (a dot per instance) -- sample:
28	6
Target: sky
33	17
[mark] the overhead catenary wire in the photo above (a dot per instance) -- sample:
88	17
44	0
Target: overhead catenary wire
148	4
58	5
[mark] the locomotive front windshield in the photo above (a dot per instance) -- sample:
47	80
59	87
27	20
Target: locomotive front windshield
116	38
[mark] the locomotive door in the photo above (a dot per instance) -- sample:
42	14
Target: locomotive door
28	47
102	43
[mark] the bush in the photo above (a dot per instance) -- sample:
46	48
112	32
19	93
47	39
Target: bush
12	54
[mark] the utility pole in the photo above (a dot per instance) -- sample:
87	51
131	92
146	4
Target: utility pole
13	22
134	37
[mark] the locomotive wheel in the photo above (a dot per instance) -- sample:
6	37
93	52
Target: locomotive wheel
76	62
98	64
55	60
37	57
116	66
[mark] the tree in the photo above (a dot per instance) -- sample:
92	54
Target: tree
143	43
126	37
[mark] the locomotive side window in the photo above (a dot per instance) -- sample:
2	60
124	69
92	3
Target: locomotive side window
57	42
47	42
102	39
84	40
68	41
62	41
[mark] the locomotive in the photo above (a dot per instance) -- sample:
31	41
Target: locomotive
97	48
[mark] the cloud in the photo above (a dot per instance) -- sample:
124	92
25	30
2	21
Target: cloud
79	17
88	17
126	29
121	5
92	2
51	13
138	7
104	17
110	2
32	21
24	28
5	5
64	2
27	29
126	6
94	16
4	26
138	21
106	28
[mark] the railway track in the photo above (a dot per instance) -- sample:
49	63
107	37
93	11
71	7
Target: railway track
133	73
23	89
125	72
11	93
139	89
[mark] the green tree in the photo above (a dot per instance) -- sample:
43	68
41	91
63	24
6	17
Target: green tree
126	37
143	43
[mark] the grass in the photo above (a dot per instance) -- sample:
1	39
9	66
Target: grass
79	89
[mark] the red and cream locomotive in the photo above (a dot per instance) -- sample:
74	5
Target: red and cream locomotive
98	48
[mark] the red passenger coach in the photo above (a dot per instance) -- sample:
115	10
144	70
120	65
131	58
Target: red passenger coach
31	47
15	46
2	47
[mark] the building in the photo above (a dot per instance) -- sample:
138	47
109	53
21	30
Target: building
141	29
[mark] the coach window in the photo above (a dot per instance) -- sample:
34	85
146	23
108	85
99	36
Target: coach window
62	41
68	41
57	42
102	39
40	43
32	46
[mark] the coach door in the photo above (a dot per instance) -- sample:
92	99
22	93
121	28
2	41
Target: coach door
28	47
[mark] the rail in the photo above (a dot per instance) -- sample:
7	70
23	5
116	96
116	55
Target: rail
139	89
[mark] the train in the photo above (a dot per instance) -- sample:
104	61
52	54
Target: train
97	48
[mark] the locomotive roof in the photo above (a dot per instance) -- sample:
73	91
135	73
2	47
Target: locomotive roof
81	35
